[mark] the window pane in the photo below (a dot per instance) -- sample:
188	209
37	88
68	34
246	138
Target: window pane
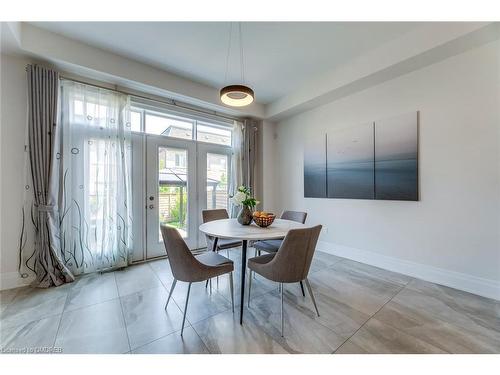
172	189
168	126
135	120
212	134
217	194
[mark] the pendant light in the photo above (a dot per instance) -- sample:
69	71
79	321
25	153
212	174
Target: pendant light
238	95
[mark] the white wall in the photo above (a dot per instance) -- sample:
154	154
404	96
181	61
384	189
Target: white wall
13	125
452	235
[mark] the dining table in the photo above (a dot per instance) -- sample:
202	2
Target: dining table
231	229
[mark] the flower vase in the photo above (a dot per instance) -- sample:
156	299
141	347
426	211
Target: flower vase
245	216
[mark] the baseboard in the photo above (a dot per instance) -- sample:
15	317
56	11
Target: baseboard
472	284
11	280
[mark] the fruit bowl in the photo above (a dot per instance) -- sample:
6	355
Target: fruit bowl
263	219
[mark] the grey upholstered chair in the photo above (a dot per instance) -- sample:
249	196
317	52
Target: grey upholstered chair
189	268
220	243
272	246
290	264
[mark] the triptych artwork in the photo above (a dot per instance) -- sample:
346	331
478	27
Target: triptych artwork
376	160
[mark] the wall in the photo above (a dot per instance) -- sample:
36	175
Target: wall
12	129
452	235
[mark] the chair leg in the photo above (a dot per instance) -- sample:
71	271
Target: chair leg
309	289
249	287
255	254
231	287
282	323
170	294
214	248
302	288
216	277
227	252
185	309
206	285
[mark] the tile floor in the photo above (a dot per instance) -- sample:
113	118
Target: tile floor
363	310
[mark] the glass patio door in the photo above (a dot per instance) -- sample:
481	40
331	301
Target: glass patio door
171	191
214	168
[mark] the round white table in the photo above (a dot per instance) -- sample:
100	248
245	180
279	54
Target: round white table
230	228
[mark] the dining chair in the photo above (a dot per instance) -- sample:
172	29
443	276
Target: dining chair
272	246
290	264
220	243
189	268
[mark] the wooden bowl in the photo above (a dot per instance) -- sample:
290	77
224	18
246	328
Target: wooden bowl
264	221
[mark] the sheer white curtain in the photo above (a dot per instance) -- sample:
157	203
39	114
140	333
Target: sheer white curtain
95	200
236	165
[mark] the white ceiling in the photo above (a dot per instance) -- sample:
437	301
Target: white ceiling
278	57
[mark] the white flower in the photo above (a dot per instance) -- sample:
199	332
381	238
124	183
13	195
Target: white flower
238	198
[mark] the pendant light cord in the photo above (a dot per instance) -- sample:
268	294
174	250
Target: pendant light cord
242	66
228	51
242	59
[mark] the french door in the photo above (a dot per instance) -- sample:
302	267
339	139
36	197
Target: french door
214	173
182	177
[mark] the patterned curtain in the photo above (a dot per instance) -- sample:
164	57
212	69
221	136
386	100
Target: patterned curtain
236	177
88	207
243	159
249	152
96	209
46	259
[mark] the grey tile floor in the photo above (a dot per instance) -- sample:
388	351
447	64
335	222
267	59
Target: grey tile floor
363	310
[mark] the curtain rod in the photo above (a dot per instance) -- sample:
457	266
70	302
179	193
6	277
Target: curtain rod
167	101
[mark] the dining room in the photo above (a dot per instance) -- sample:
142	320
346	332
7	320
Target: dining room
245	190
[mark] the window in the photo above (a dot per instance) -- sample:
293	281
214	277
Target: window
169	126
180	160
213	134
135	120
217	181
159	121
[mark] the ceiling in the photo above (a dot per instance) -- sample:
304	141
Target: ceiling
278	56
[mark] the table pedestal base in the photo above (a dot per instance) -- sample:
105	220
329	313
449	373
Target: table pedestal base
243	272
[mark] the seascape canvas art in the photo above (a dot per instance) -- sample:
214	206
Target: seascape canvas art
315	167
375	160
396	158
350	163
